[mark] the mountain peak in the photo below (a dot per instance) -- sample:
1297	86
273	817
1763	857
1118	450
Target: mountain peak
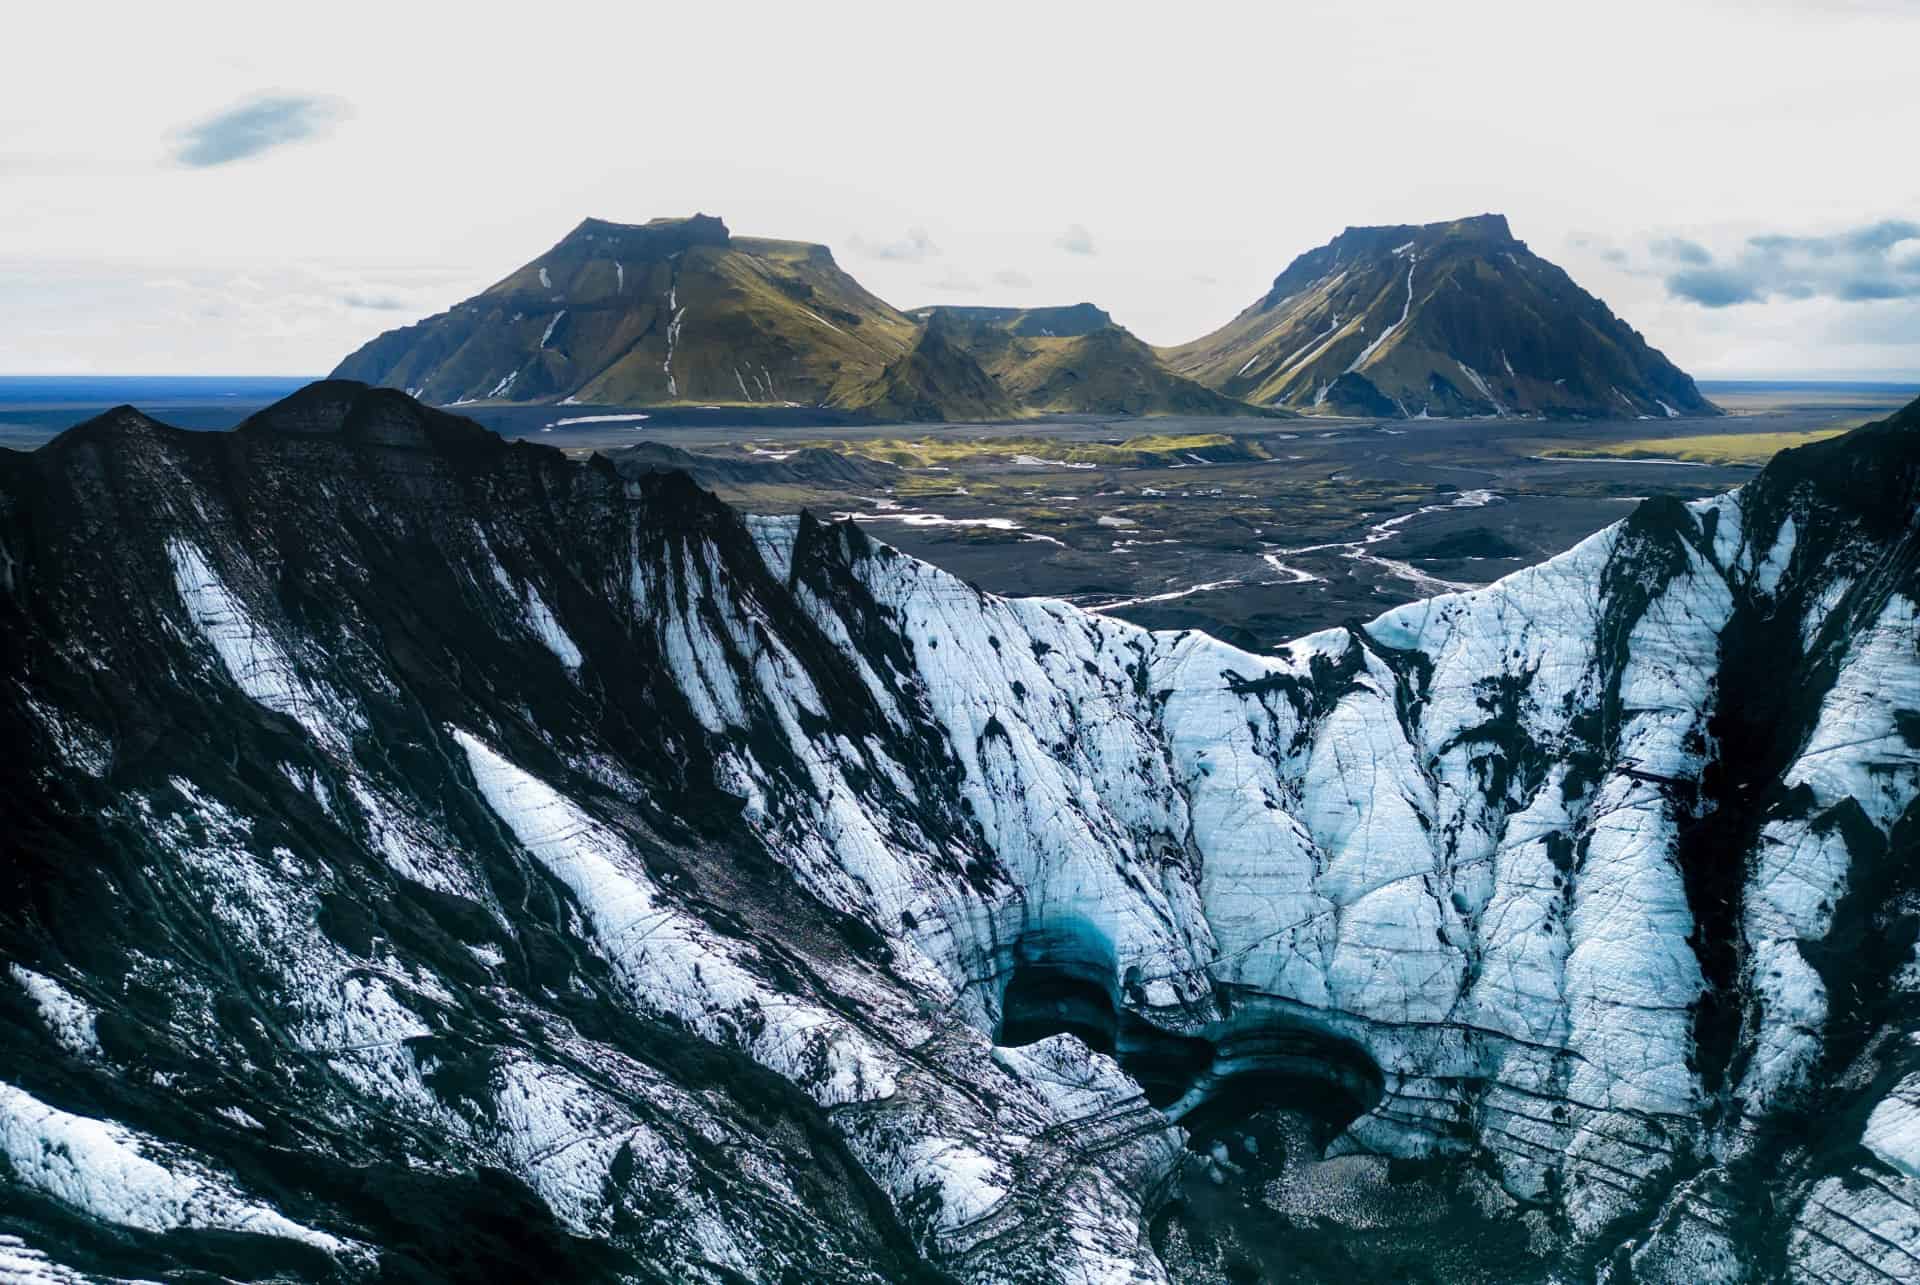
1441	319
356	412
1493	226
672	310
120	422
1073	359
1475	234
937	379
652	239
1475	227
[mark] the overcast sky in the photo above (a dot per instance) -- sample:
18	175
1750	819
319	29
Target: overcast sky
208	188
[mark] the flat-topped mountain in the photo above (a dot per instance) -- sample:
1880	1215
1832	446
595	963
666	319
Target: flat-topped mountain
1455	318
676	310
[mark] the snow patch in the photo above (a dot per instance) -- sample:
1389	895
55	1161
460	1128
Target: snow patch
669	961
1473	377
1405	311
251	655
117	1176
69	1018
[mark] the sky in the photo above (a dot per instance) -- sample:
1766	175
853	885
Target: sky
251	188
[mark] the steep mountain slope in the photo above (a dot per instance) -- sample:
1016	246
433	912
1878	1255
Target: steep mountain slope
408	824
676	310
1446	319
1075	360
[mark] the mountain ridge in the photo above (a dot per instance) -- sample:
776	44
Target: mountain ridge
937	379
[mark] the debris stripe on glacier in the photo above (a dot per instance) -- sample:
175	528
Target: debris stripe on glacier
1856	752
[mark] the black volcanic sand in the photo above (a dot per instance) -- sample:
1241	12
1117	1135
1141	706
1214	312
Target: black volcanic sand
1331	482
1185	523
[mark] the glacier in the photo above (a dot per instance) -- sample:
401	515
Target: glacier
1589	895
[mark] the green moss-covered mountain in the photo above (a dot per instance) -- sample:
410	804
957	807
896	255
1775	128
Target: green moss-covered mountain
681	310
676	310
1074	359
937	379
1059	322
1445	319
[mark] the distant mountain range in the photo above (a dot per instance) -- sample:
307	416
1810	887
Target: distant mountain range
1448	319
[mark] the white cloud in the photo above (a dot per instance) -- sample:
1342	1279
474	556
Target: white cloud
256	125
915	247
1076	239
118	316
955	283
1854	265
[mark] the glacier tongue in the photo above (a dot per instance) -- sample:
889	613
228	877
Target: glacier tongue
817	913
